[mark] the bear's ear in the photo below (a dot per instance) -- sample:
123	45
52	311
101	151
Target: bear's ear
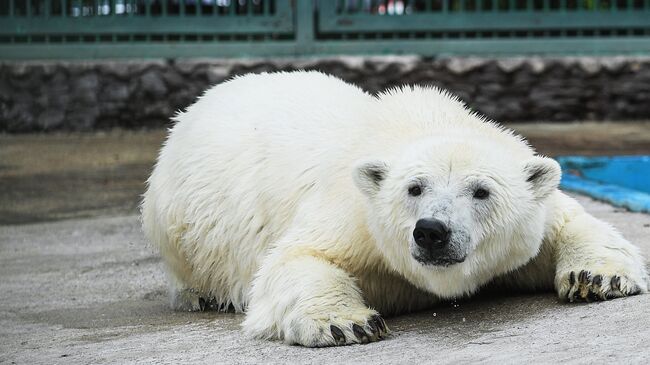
543	174
369	175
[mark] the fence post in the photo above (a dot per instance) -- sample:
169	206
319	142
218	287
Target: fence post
304	23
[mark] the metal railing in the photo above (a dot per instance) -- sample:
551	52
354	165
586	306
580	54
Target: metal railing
36	29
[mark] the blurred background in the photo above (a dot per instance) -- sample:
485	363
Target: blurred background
89	64
87	89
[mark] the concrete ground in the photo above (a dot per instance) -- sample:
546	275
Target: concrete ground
78	283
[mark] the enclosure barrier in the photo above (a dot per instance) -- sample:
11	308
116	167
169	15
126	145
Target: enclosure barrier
87	29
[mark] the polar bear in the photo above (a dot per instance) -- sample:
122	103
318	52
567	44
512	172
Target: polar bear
317	209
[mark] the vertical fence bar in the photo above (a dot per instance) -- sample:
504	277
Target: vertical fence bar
249	13
148	4
64	14
304	31
181	15
112	7
408	5
96	8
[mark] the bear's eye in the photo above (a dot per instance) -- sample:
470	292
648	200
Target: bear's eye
481	193
415	190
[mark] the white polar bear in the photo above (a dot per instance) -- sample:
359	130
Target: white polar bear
315	207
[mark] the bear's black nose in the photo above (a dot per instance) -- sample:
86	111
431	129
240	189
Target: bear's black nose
431	234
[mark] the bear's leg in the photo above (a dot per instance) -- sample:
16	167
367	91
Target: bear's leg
309	301
593	260
182	298
187	300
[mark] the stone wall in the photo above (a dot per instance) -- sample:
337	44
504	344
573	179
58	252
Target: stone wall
48	96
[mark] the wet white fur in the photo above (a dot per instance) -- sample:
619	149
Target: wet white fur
253	201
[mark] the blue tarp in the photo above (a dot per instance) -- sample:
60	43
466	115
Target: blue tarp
620	180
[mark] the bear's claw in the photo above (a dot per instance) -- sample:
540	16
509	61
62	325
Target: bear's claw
590	288
374	330
339	337
360	333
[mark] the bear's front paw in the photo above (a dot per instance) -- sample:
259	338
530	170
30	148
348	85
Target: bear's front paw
338	330
585	285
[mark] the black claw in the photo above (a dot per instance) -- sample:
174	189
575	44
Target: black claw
576	295
338	335
597	280
616	283
360	333
380	323
583	277
374	327
572	278
634	291
202	304
592	297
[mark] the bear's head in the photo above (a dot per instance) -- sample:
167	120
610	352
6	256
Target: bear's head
451	212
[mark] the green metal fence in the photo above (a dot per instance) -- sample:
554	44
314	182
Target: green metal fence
37	29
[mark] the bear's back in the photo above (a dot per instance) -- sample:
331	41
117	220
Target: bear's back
237	165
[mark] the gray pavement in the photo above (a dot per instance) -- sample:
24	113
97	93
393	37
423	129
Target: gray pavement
92	291
78	283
